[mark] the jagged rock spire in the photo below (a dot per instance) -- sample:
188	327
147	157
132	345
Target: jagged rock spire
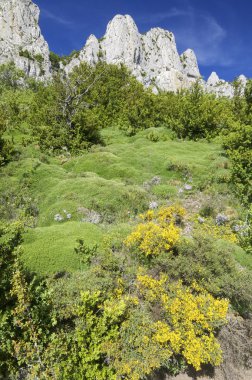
190	64
152	57
20	38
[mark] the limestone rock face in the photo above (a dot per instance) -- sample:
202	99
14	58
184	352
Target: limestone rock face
153	57
242	79
122	42
161	63
20	38
213	80
243	82
190	64
218	86
89	54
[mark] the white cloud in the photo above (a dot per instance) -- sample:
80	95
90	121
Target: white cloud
60	20
206	36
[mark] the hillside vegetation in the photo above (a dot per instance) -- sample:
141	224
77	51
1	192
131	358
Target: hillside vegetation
126	225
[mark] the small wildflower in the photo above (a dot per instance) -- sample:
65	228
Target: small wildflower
58	218
188	187
153	205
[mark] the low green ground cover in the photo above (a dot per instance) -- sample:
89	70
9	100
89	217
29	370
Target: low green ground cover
115	181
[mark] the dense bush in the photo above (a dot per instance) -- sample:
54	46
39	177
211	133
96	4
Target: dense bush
10	77
25	314
62	115
70	111
113	332
207	257
238	144
211	264
130	334
10	81
194	114
6	146
247	118
10	238
55	61
159	232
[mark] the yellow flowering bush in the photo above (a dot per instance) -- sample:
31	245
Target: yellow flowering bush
129	334
136	353
190	318
224	232
170	214
158	232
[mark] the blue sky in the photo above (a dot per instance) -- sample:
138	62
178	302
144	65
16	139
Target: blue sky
219	31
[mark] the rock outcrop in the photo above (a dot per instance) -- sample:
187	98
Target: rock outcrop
20	38
218	86
152	57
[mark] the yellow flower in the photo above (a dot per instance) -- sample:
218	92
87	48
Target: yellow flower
158	232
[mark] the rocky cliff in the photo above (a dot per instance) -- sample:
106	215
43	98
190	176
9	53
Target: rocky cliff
20	38
152	57
220	87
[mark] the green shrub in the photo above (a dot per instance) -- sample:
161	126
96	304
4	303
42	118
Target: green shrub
26	317
194	114
62	115
26	54
153	136
55	61
210	262
70	112
7	150
238	144
39	58
207	210
10	77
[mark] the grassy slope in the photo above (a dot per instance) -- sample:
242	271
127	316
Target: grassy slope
108	180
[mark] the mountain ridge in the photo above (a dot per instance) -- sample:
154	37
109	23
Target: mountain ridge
152	57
